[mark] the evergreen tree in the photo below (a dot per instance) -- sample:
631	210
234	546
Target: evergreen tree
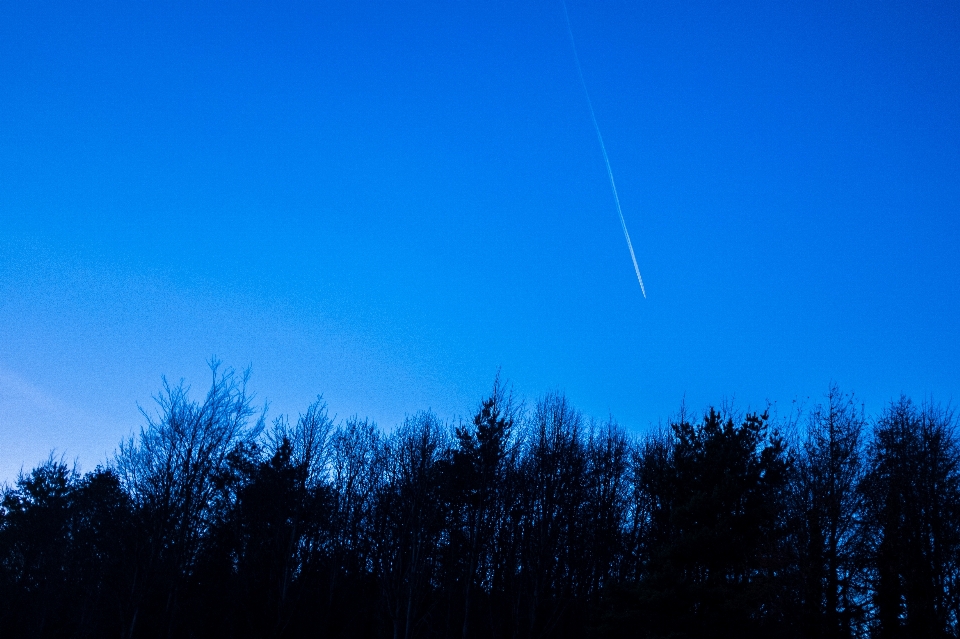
830	508
716	547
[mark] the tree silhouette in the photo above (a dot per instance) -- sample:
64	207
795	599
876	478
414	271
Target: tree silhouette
829	473
517	523
408	522
172	472
716	532
912	492
474	481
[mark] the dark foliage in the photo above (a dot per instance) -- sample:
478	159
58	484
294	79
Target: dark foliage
717	534
516	523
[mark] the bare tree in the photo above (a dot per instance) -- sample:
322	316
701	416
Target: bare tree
171	471
309	438
554	474
357	465
409	519
607	507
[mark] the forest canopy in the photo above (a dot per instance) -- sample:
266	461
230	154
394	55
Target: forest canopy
522	521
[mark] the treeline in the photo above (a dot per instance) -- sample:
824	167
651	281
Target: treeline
519	523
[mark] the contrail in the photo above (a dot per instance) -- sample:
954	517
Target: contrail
603	149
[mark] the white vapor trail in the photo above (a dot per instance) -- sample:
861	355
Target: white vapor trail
603	149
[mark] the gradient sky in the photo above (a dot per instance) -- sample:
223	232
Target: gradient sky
387	202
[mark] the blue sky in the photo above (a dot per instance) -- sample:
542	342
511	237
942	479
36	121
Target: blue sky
385	203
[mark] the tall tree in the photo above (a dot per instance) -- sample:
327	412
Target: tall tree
912	493
607	508
553	505
63	565
357	467
474	482
172	471
716	533
829	472
408	521
35	539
